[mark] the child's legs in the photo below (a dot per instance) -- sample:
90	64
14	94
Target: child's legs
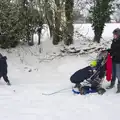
5	77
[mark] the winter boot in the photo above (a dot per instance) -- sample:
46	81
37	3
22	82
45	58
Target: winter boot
118	88
111	85
84	90
8	83
101	91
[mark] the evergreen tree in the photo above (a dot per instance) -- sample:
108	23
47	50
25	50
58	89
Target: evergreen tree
8	24
29	17
100	14
18	22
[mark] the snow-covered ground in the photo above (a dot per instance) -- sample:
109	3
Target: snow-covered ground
33	73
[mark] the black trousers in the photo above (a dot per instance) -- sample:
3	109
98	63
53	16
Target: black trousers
5	77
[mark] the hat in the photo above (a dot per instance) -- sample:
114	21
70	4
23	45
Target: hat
93	63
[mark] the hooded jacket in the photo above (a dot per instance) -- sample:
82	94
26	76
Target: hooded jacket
115	50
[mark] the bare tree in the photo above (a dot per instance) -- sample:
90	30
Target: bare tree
100	14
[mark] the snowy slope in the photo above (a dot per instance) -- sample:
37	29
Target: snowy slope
33	73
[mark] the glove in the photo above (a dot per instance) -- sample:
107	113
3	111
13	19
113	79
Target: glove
94	71
109	50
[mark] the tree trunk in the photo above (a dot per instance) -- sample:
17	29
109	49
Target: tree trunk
69	21
69	39
56	36
32	39
49	17
28	36
39	37
97	38
98	33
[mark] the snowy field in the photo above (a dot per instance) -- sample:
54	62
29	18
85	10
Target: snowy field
33	73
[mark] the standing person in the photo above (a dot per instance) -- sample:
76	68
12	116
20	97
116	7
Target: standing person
3	69
115	53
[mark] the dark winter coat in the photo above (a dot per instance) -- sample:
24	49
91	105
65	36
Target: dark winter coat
115	50
81	75
87	72
3	65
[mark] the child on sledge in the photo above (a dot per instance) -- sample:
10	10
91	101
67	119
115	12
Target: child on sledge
91	76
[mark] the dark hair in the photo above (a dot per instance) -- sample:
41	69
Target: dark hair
116	32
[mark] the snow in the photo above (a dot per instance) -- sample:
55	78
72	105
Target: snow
33	73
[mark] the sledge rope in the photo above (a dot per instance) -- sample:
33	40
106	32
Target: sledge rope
58	91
